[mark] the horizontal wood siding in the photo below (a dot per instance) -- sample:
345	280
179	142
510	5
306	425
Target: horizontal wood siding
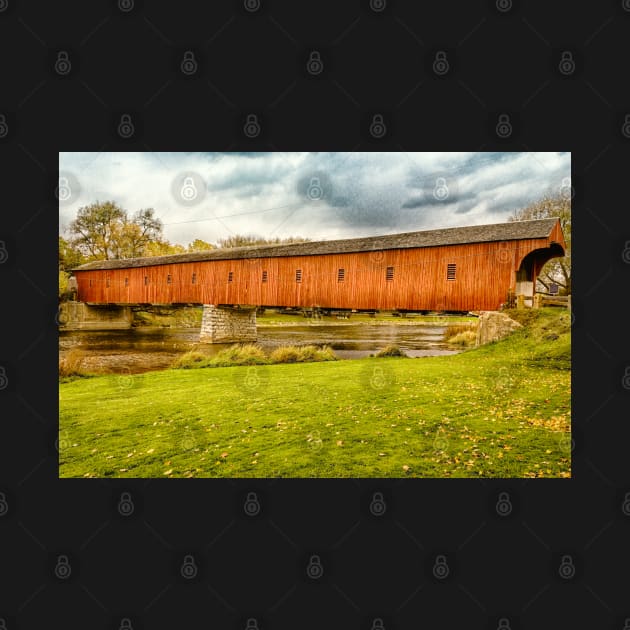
484	273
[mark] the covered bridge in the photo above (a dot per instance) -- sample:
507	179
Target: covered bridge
450	269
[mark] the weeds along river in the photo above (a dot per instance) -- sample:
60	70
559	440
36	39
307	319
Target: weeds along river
148	348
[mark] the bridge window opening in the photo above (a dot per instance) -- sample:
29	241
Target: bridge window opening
107	283
230	276
146	280
194	278
169	279
126	282
389	274
298	275
264	276
450	271
90	281
341	275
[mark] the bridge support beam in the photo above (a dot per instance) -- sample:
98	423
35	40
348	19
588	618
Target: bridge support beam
81	316
225	324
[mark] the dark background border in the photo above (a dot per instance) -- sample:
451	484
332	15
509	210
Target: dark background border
378	58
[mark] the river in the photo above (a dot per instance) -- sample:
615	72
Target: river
153	348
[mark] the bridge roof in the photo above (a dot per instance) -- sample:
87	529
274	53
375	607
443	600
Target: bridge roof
513	230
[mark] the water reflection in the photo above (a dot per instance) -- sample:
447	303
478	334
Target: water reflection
142	349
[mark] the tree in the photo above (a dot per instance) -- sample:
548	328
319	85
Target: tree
103	231
244	240
557	270
199	245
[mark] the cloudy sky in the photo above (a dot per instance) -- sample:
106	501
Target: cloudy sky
315	195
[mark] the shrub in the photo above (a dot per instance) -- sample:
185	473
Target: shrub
247	354
456	329
191	359
464	338
390	351
313	353
70	365
285	354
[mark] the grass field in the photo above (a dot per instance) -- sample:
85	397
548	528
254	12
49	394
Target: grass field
502	410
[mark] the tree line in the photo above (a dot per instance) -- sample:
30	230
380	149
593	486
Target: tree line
105	231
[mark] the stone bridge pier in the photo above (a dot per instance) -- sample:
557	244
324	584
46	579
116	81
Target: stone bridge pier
227	324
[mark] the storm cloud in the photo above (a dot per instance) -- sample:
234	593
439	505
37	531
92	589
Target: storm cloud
315	195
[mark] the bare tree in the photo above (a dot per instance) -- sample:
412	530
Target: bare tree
557	270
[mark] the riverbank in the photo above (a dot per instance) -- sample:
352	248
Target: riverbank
501	410
190	317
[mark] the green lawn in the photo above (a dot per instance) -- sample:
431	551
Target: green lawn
502	410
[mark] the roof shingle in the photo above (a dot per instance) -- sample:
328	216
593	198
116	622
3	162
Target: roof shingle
514	230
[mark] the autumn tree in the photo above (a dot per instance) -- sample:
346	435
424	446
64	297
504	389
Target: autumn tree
551	205
199	245
104	231
245	240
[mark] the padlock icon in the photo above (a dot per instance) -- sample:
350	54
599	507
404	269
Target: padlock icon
252	504
440	568
4	254
125	624
504	504
4	5
625	128
125	127
567	63
566	189
377	127
625	505
315	191
189	63
378	624
125	504
62	63
626	5
441	191
440	443
189	568
63	569
252	380
626	378
189	190
440	63
4	128
251	624
3	623
314	569
314	65
378	505
251	5
126	5
252	127
566	570
64	192
4	506
504	5
378	378
378	5
504	624
626	623
625	254
504	126
4	379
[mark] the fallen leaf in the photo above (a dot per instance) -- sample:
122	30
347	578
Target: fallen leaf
224	454
405	468
168	472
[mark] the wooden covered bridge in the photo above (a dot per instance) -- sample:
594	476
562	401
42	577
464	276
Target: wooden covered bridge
451	269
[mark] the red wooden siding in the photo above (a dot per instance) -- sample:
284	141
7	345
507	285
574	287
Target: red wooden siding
484	272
